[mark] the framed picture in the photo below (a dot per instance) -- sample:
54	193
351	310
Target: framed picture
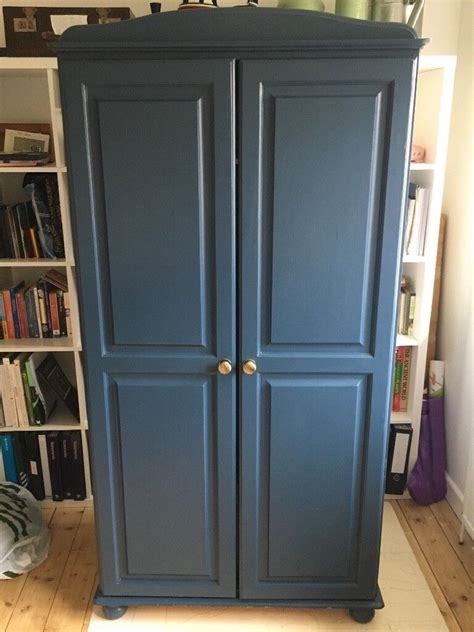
18	140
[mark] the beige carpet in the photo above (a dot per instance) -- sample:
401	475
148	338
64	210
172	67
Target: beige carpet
409	605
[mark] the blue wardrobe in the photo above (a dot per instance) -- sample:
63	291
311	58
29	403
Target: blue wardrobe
238	185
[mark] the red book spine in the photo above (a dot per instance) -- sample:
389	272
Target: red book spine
405	379
21	308
53	308
9	314
398	379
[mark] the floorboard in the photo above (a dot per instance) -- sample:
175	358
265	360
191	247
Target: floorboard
436	591
449	522
445	564
58	596
70	603
37	594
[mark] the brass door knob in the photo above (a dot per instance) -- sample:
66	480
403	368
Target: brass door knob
224	367
249	367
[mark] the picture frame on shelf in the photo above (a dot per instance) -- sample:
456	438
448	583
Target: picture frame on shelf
20	141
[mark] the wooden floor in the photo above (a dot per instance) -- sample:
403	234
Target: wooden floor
447	565
57	597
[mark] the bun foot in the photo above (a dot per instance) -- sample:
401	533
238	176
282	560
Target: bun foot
362	615
113	612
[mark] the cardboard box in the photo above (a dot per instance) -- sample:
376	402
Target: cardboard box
29	30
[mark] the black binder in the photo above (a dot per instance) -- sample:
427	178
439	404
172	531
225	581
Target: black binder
398	454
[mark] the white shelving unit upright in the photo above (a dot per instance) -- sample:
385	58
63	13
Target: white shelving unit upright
29	90
431	130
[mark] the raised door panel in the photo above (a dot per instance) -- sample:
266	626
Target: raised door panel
157	215
323	182
312	495
151	154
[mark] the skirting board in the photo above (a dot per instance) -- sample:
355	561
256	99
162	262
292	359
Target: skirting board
455	498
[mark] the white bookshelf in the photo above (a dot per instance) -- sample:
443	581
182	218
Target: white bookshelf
30	94
431	130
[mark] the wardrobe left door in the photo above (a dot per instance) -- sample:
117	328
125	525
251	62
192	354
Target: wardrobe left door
151	159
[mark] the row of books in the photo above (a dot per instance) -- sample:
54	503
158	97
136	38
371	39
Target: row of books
401	379
49	465
406	308
417	220
33	229
41	310
32	385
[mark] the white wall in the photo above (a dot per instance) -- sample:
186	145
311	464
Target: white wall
455	343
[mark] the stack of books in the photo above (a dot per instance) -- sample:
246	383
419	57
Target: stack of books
33	229
50	464
406	308
32	385
401	379
417	220
38	311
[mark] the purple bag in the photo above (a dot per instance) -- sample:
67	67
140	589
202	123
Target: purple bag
427	483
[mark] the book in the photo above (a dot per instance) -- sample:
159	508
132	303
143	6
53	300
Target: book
401	310
43	450
45	295
8	393
2	414
56	278
16	317
3	317
44	399
8	457
20	397
52	373
42	191
398	456
2	394
2	468
67	465
62	313
415	239
405	378
52	442
67	311
31	318
26	389
19	449
397	379
7	301
77	467
33	460
42	312
411	314
37	310
53	307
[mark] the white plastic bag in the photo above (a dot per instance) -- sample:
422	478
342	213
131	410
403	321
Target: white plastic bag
24	537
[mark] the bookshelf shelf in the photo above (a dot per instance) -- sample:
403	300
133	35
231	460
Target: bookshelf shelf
406	341
34	263
431	131
400	418
48	503
36	344
49	427
422	166
414	259
51	168
31	89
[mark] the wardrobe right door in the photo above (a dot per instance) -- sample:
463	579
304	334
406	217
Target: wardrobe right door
324	159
